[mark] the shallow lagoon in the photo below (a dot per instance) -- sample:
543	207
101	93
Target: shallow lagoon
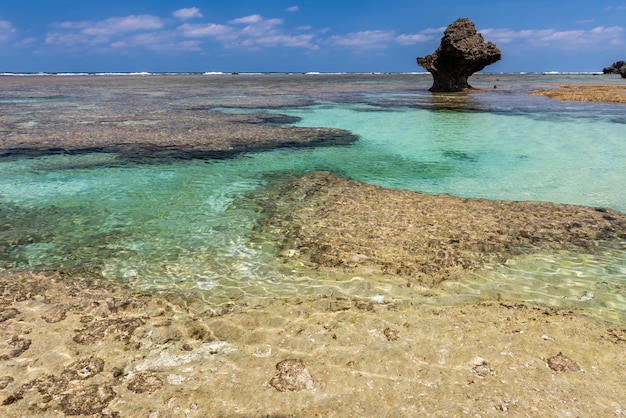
189	223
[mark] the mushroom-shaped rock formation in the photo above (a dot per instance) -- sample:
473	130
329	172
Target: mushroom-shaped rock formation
462	52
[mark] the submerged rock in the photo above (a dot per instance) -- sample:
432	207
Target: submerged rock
561	363
426	238
145	382
292	376
462	52
13	347
70	392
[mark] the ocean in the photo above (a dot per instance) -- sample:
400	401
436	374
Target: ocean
189	223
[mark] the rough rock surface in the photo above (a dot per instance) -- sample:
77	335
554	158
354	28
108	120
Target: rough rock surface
344	356
585	93
560	363
135	122
462	52
618	67
292	376
424	238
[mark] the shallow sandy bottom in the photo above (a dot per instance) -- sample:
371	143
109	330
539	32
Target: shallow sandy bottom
70	346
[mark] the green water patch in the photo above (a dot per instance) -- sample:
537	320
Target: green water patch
484	154
55	238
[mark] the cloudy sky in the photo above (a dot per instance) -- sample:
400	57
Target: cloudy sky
300	35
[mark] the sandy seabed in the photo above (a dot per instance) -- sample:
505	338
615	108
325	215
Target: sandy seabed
77	345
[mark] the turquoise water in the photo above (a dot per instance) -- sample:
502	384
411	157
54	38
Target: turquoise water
482	154
190	223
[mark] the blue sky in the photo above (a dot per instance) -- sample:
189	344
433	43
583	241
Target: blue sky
300	35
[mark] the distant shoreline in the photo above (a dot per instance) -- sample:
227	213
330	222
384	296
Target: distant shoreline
218	73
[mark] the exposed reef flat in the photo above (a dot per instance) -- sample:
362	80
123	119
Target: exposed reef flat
181	134
157	116
333	222
586	93
74	346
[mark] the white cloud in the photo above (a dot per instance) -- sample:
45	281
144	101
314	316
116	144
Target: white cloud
504	36
68	39
253	32
562	39
247	20
301	41
6	30
363	39
187	13
26	42
204	30
257	26
434	31
292	9
406	39
262	28
130	23
101	32
610	31
158	41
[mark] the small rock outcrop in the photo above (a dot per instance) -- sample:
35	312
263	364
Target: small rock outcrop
616	68
292	376
462	52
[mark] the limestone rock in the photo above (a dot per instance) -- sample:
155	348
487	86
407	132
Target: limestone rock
560	363
292	376
462	52
618	67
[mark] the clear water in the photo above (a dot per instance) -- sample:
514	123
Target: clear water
190	223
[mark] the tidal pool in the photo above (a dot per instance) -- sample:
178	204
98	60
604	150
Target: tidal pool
190	223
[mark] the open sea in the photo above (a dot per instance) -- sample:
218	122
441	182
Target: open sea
190	223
